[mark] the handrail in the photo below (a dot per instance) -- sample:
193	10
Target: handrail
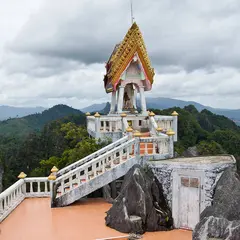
15	194
92	156
109	153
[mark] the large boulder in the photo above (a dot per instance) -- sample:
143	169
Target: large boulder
217	228
222	219
140	205
226	200
191	152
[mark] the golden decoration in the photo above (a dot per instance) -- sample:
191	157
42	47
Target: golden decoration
170	132
22	175
129	129
96	115
151	114
52	176
137	134
123	115
88	114
174	113
54	169
159	129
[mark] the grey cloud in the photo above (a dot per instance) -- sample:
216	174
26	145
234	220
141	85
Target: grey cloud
191	34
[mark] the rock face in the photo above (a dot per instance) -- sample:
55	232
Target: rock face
222	219
191	152
217	228
140	206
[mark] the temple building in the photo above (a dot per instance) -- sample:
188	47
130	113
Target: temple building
129	73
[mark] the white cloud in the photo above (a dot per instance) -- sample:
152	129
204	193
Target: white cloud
54	51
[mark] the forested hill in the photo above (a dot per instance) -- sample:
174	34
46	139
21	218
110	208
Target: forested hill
65	140
212	134
21	127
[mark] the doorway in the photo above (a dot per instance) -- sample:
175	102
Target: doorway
187	201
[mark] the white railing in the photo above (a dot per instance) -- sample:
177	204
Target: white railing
165	122
37	187
92	156
154	145
93	168
15	194
110	124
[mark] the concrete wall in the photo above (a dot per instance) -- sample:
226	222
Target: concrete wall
163	170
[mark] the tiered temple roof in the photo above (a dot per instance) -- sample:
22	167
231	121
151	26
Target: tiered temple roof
121	56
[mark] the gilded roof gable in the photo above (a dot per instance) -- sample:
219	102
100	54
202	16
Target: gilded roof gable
124	52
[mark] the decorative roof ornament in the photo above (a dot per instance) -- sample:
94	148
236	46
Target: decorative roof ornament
54	169
97	115
22	175
174	113
170	132
122	55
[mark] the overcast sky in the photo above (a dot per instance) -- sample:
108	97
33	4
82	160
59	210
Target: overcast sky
54	51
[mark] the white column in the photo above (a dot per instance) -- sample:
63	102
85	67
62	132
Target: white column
143	100
134	98
113	102
120	99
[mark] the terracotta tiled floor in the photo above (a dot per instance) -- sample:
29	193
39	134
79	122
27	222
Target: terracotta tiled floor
35	220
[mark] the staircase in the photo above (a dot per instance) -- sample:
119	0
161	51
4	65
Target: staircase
104	166
93	174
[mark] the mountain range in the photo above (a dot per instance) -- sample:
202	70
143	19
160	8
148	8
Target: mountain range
17	112
163	103
7	112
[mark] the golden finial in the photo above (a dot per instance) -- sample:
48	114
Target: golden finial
137	134
88	114
174	113
54	169
123	115
97	115
22	175
151	114
170	132
52	177
159	129
129	129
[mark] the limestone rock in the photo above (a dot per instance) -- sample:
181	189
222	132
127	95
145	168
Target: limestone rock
191	152
226	198
140	206
222	219
216	228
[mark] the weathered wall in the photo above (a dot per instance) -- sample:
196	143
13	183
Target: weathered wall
212	172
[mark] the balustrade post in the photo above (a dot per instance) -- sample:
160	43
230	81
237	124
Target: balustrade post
146	148
110	126
104	126
129	132
154	148
1	206
22	175
52	177
97	124
171	133
175	125
123	115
